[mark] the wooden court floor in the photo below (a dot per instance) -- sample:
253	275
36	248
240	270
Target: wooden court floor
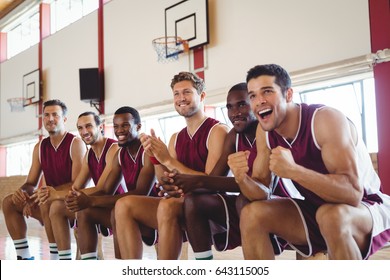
40	249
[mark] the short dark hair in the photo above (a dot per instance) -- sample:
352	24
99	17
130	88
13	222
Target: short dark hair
197	82
56	102
241	86
96	117
282	77
130	110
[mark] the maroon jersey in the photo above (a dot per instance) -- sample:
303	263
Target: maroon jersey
193	151
302	146
56	163
96	165
243	144
131	167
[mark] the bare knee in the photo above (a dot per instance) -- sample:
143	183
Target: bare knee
253	215
8	203
83	216
169	210
332	220
191	203
123	207
57	208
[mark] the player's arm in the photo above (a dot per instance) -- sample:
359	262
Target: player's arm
337	137
221	168
113	179
78	150
84	175
215	146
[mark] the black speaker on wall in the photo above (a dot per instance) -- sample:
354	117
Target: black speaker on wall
89	85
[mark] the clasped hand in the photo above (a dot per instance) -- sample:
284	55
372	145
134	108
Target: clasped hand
76	201
168	187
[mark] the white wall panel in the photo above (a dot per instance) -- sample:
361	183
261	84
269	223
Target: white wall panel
64	53
11	85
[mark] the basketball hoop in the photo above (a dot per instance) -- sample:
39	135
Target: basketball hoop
16	104
168	48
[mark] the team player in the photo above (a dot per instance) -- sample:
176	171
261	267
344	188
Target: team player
130	164
343	211
194	150
59	157
210	213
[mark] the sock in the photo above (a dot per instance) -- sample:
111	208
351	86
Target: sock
22	249
89	256
53	251
65	254
206	255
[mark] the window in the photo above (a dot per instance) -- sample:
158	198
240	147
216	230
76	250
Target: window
23	32
19	157
356	100
164	126
23	35
65	12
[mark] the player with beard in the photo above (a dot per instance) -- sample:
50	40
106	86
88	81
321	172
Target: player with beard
59	157
96	166
194	150
129	164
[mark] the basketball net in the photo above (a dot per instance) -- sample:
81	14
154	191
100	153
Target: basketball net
16	104
169	48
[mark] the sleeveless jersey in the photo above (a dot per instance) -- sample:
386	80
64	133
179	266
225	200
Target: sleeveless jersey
56	163
96	166
305	144
193	151
243	144
131	167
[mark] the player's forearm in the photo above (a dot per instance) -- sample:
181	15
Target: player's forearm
172	164
28	188
216	184
104	200
252	189
333	188
93	191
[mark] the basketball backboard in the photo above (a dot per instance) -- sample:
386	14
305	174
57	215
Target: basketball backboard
188	20
31	88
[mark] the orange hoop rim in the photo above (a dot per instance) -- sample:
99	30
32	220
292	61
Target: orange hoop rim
171	40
